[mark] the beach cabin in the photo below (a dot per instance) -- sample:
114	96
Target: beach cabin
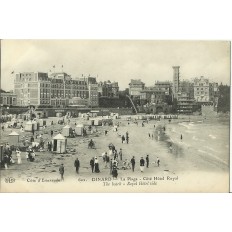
97	122
29	126
94	113
41	113
114	115
66	131
90	122
42	122
36	125
13	138
79	129
58	115
59	144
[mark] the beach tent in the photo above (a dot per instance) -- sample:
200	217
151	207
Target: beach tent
66	131
59	144
13	138
79	129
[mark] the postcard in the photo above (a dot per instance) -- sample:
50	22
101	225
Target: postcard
115	116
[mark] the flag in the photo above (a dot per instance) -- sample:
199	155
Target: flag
54	66
12	72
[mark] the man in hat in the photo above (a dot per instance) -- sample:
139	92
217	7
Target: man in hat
61	170
133	163
92	164
77	165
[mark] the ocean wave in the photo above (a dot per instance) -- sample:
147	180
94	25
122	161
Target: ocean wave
189	126
203	151
210	148
212	136
197	139
213	156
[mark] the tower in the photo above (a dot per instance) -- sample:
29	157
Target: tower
176	75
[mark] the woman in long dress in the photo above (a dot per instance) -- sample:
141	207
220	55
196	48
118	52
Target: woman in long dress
18	155
142	163
96	165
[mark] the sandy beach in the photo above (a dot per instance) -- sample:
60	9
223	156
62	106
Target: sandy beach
189	159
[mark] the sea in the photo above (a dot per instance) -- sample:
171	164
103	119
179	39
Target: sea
205	143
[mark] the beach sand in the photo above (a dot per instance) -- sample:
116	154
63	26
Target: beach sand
195	168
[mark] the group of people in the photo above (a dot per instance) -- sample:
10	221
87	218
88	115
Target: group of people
30	154
94	163
125	138
8	156
142	163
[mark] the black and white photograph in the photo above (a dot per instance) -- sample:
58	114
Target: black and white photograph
115	116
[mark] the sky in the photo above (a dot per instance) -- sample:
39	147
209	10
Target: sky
117	60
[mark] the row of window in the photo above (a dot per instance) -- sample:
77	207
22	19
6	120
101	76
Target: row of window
45	102
45	85
68	86
202	92
202	88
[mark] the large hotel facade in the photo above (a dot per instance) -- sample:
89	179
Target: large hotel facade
37	88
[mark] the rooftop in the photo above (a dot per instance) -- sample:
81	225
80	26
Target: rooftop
136	81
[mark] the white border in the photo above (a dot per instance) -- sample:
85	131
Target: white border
207	20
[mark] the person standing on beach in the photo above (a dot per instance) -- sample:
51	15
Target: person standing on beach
96	165
158	161
18	155
170	147
5	160
142	163
61	170
133	163
123	139
181	137
77	165
127	139
149	135
120	153
147	161
92	164
127	134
